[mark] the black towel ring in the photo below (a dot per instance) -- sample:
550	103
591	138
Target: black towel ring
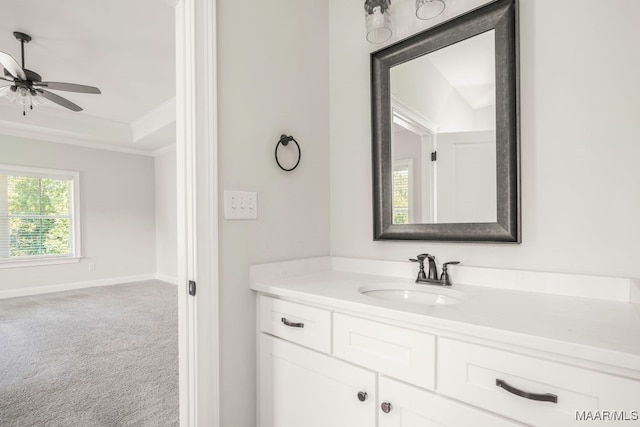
284	140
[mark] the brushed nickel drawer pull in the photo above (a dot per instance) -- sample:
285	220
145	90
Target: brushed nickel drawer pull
547	397
291	324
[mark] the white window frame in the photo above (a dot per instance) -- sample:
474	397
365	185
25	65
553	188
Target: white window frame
76	241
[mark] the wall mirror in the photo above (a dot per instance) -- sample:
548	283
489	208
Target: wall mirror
445	131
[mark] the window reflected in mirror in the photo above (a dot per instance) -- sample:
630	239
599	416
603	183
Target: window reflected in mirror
402	186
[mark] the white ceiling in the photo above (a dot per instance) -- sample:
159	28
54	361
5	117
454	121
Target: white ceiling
470	68
124	47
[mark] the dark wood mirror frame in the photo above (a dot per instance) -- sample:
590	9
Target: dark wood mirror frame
501	16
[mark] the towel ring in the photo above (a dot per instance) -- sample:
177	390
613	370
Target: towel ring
284	140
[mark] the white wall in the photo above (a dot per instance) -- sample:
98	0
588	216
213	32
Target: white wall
579	92
166	216
273	71
117	213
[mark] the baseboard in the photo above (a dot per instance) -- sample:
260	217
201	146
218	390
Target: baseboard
166	278
23	292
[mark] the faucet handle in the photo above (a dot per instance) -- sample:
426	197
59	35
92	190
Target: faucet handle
444	277
420	257
421	274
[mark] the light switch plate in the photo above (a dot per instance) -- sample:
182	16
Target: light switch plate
240	205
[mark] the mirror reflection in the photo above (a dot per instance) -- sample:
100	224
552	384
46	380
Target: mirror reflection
443	108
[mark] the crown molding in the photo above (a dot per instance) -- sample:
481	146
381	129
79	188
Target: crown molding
90	131
156	119
164	150
63	137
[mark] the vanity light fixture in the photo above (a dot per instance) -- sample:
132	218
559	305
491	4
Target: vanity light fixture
378	18
429	9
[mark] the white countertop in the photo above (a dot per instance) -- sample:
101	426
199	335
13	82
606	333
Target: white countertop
594	330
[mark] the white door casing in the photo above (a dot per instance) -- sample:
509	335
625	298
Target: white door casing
196	153
408	118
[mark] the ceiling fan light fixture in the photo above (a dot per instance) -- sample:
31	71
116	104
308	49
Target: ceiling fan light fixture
10	93
23	96
28	88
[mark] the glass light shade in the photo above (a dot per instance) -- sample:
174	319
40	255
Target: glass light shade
378	19
429	9
7	93
22	96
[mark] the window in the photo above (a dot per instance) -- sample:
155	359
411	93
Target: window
39	216
402	190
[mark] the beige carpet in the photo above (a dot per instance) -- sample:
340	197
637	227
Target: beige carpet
103	356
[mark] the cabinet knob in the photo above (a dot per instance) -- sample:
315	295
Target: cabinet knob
386	407
362	396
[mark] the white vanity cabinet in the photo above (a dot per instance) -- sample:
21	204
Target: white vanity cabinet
301	386
516	348
321	366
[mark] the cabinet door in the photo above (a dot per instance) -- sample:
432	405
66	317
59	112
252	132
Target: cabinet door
411	407
300	387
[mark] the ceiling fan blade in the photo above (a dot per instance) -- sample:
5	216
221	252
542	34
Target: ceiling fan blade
69	87
12	66
58	100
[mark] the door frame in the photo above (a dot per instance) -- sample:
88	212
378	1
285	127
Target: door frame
197	208
410	119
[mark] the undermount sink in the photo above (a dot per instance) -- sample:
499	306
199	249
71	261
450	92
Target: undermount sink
413	294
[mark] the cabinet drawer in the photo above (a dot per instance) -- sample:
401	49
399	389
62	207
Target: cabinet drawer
472	372
307	326
396	352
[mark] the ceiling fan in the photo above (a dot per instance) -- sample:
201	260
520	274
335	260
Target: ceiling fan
28	87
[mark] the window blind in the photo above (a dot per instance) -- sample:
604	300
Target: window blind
36	215
401	195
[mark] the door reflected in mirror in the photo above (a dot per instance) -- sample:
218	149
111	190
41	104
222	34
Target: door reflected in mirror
443	139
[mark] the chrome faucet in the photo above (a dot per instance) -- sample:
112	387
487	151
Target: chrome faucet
432	277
